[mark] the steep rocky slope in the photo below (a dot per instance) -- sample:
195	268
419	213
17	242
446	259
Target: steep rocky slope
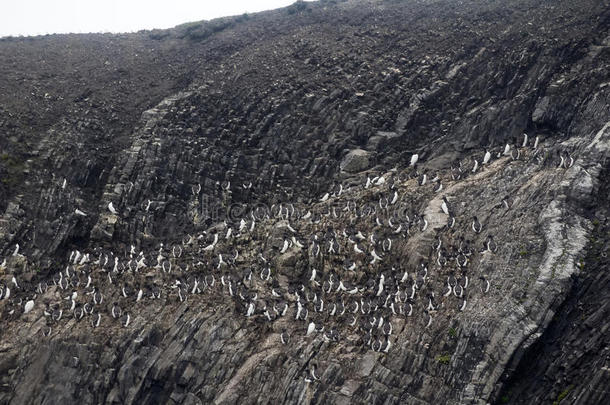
252	178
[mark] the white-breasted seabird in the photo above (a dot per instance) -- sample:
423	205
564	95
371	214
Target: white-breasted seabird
431	306
213	244
125	320
221	261
116	311
388	345
312	279
380	287
250	310
387	328
394	198
310	328
74	256
96	320
297	243
449	289
429	320
265	273
491	244
98	298
29	305
414	159
386	245
445	206
476	225
485	288
487	157
112	209
376	257
410	311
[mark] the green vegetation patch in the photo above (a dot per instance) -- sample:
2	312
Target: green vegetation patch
296	7
200	30
562	395
443	358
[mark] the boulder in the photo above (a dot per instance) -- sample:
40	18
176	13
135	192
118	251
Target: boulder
355	161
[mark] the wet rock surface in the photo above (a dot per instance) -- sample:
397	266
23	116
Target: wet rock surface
228	211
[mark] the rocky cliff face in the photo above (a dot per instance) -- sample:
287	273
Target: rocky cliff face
337	202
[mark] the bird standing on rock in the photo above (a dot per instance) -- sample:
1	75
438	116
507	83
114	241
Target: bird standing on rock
487	157
445	206
476	225
28	306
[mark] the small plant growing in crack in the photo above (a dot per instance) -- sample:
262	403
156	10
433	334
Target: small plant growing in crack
443	358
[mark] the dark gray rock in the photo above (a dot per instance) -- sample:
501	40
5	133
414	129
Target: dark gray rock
213	120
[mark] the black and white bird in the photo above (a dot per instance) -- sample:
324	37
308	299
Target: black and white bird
487	157
491	244
29	305
314	373
414	159
445	206
476	225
